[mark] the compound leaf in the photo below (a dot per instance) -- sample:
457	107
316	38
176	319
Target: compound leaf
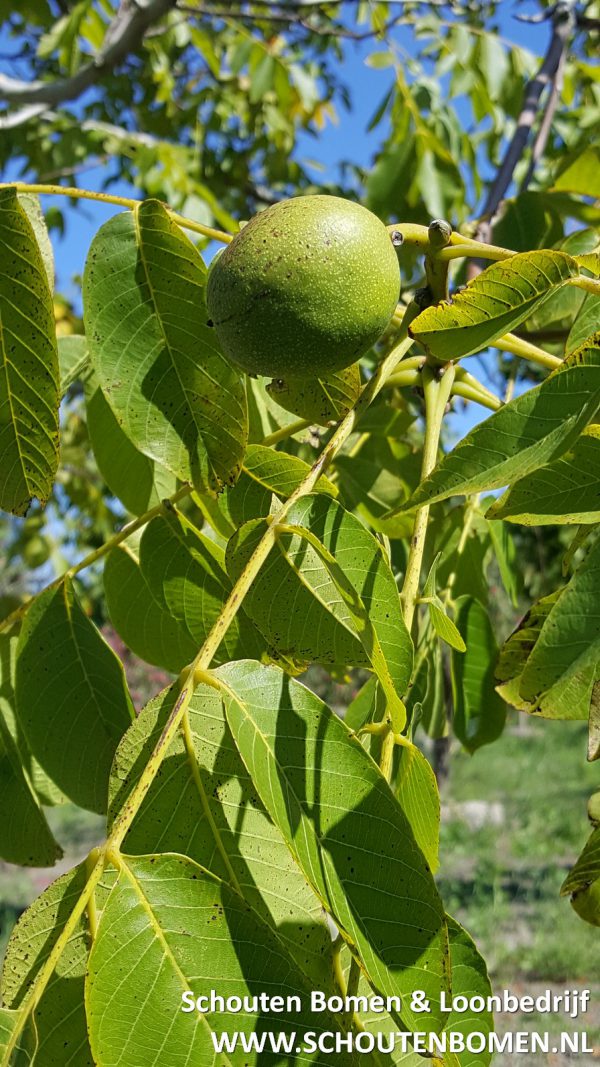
185	573
296	603
321	401
139	482
146	627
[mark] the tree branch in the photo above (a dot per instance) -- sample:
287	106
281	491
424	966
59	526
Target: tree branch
279	16
124	35
543	133
563	23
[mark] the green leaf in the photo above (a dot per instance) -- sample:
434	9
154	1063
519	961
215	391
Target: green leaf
159	368
462	536
494	303
532	430
587	868
25	837
581	174
365	630
29	393
57	1029
237	504
506	556
417	792
361	708
196	806
569	697
444	627
140	483
373	480
321	401
583	881
479	712
297	605
585	324
72	700
345	828
8	1023
515	651
185	573
594	725
564	492
145	626
567	650
527	223
280	472
469	979
73	360
33	209
167	927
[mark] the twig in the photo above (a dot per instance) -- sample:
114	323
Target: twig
543	133
123	35
563	23
333	30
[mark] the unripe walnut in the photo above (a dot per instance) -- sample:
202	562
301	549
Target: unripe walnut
305	288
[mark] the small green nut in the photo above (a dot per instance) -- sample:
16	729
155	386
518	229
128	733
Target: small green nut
304	289
586	903
593	809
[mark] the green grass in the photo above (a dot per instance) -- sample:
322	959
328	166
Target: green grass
503	881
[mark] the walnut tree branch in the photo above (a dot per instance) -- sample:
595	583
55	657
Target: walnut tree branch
123	36
563	24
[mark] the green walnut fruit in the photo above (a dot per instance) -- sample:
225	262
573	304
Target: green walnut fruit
593	809
304	289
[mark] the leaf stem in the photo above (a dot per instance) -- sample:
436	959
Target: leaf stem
467	392
97	554
437	389
286	431
509	342
591	285
119	201
437	392
469	387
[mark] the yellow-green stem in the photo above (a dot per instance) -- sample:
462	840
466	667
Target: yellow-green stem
415	234
591	285
518	347
118	201
467	392
286	431
437	392
97	554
